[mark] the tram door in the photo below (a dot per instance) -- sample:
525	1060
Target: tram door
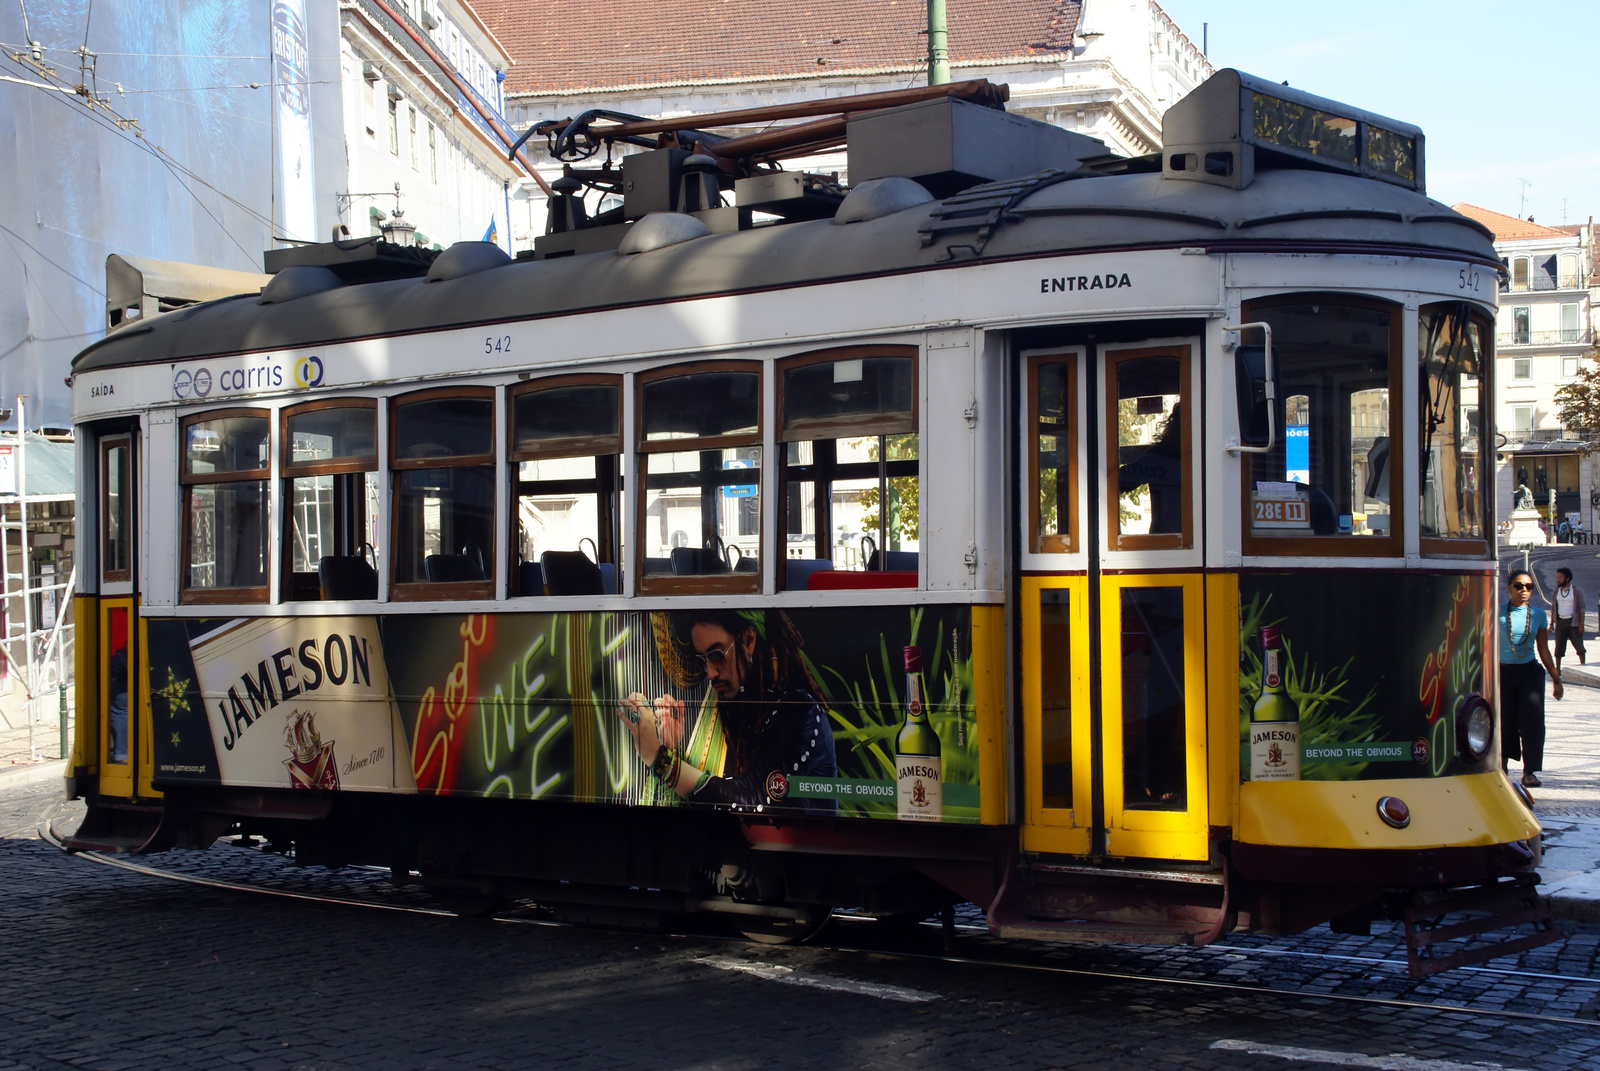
121	752
1112	604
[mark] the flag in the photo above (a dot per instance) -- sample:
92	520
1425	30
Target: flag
492	234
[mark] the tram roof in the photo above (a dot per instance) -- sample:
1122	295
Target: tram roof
1053	214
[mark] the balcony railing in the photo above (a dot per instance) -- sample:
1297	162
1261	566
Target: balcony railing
1561	337
1544	283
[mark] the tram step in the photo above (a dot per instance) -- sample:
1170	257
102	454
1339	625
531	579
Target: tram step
115	830
1509	903
1085	931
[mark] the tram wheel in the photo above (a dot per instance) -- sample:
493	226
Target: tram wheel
775	931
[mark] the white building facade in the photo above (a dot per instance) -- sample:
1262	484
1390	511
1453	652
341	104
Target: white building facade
1544	334
422	103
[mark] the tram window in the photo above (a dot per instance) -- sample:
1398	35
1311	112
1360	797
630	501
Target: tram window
330	468
442	445
1146	406
224	475
1053	411
566	442
116	510
1454	358
1154	765
850	462
699	460
1331	473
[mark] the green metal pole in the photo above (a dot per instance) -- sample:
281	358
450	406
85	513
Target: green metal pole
938	45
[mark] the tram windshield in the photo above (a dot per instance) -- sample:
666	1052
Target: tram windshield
1330	473
1454	349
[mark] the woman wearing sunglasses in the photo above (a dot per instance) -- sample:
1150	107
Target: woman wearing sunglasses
1524	633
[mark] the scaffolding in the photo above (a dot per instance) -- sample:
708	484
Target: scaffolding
37	634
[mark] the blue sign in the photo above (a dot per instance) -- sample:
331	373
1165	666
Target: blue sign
739	490
1297	453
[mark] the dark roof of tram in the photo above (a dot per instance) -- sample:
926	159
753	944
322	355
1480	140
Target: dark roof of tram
1282	209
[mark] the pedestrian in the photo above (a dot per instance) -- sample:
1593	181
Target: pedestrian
1524	647
1570	610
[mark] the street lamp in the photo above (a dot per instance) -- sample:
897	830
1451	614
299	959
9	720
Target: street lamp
398	230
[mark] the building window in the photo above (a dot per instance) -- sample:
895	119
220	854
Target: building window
394	127
699	459
1570	332
849	431
1522	420
416	157
1569	367
1522	368
1520	318
442	448
566	446
226	464
330	469
1568	272
1544	273
1519	273
433	154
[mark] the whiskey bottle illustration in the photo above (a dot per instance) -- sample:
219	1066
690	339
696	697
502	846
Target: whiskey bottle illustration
918	794
1274	721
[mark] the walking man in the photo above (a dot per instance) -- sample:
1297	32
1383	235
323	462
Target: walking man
1569	609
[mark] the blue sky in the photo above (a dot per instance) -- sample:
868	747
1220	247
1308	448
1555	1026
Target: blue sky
1503	91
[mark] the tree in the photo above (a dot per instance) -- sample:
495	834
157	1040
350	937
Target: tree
1578	403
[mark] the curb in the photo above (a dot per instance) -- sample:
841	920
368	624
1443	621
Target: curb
13	776
1574	909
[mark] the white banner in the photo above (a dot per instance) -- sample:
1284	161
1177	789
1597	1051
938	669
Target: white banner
302	703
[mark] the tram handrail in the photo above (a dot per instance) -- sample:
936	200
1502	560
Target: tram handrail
1236	447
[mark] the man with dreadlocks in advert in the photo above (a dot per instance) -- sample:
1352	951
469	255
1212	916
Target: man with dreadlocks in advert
774	725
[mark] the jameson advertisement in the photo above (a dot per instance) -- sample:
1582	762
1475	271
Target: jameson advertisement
821	712
1368	693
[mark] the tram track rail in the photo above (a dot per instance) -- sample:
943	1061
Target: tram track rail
47	832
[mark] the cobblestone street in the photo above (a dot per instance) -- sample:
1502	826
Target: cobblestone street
112	969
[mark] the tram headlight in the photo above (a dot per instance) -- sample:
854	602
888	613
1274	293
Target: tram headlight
1474	727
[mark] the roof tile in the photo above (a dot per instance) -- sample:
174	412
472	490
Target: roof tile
1508	228
567	46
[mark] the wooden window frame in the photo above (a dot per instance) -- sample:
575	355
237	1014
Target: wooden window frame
595	446
712	584
1448	546
291	471
188	480
1115	540
834	432
422	591
812	432
125	474
1058	543
1337	546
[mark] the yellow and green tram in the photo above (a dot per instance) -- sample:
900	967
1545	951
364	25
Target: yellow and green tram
1103	541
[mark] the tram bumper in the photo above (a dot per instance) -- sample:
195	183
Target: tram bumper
1466	829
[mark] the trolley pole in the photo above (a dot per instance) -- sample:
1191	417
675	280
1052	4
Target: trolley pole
938	45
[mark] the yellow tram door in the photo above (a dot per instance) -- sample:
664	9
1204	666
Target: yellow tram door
120	753
1112	605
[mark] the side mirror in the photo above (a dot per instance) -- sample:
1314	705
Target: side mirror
1256	395
1256	383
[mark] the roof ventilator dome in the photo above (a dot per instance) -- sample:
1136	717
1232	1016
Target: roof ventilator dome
880	197
298	281
466	258
658	230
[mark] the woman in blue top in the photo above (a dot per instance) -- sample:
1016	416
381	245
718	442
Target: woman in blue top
1524	632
